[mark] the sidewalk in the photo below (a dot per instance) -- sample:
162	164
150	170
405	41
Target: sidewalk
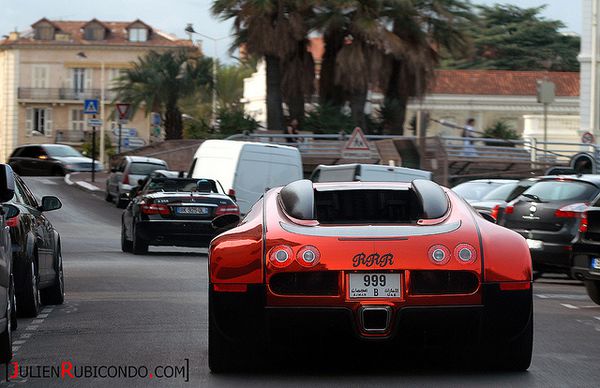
83	180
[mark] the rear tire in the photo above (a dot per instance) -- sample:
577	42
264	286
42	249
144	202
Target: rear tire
140	246
223	356
13	305
58	171
120	202
55	294
126	245
593	289
107	196
6	353
29	300
514	355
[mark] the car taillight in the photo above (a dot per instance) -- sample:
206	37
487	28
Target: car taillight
509	209
495	212
281	256
439	254
583	223
227	209
154	208
125	179
231	193
465	253
308	256
575	210
13	222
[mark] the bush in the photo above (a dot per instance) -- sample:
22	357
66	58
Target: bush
501	130
109	149
232	121
327	119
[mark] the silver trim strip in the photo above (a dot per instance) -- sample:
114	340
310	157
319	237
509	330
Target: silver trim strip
370	230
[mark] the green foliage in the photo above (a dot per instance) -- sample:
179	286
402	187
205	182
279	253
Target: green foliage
507	37
232	121
109	149
327	119
501	130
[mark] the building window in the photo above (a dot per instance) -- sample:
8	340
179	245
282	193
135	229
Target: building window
39	76
138	34
77	121
94	32
44	32
81	82
38	121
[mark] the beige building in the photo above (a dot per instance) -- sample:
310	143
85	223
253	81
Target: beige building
47	72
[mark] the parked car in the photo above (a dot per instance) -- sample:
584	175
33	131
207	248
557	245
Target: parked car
494	202
366	173
246	170
405	267
49	159
37	257
586	251
549	215
126	175
174	211
475	190
7	288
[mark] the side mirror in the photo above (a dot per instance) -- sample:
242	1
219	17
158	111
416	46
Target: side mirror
225	222
10	211
488	217
50	203
7	183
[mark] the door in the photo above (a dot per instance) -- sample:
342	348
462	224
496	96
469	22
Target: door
115	178
31	160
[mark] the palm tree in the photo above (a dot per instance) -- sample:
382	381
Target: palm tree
159	81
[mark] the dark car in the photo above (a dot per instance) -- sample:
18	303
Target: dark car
7	295
494	202
49	159
549	215
586	251
475	190
38	267
174	211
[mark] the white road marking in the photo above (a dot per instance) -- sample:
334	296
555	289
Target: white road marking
25	336
68	179
37	321
48	182
563	296
15	348
47	310
42	316
88	186
598	318
18	342
32	327
569	306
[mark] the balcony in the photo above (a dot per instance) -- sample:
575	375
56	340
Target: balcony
63	94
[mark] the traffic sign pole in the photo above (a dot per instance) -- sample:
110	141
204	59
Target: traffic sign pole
120	136
94	153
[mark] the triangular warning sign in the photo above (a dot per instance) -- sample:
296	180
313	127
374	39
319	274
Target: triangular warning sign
123	110
358	141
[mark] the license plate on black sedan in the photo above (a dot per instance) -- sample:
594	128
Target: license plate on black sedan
596	263
374	285
192	210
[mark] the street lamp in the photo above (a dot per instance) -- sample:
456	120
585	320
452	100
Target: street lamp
190	30
82	55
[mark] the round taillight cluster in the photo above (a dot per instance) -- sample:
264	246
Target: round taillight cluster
282	255
464	253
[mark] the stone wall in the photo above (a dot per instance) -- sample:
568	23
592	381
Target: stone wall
177	153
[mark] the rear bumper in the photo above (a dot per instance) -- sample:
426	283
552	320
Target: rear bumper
582	262
179	233
502	316
555	254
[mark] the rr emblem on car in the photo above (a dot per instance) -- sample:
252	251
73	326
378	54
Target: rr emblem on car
374	259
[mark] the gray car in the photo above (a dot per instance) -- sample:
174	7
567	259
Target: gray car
126	175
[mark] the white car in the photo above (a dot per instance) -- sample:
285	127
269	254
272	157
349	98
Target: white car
126	175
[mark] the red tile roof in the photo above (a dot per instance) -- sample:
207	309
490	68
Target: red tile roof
117	36
502	82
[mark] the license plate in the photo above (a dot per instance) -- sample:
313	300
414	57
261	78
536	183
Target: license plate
596	263
374	285
192	210
535	244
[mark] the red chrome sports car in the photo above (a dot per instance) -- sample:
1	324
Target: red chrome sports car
380	265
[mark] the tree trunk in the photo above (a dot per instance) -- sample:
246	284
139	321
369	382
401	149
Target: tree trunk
357	106
329	92
275	120
173	123
296	107
395	102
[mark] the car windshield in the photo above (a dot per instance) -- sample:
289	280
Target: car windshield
62	151
475	190
138	168
500	193
558	191
179	185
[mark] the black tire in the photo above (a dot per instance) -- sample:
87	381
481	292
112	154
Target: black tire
593	289
29	300
55	294
514	355
6	353
120	202
58	171
139	246
107	196
13	305
223	357
126	245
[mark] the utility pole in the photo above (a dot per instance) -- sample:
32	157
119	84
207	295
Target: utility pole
545	95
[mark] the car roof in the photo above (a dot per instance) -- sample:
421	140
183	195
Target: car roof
144	159
326	186
589	178
492	181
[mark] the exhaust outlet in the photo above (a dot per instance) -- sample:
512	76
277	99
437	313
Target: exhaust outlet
375	319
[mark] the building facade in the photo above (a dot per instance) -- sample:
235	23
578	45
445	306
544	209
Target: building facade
47	72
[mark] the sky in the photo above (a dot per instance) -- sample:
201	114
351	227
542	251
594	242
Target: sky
172	16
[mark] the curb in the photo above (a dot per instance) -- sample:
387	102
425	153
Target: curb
81	184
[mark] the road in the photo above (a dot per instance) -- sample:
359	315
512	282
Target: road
151	311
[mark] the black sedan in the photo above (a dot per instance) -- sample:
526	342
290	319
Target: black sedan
586	251
176	212
549	215
49	159
38	267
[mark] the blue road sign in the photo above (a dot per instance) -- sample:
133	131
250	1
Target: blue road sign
126	142
90	107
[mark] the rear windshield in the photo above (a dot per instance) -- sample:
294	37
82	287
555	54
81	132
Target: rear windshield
563	191
376	206
138	168
178	184
475	190
500	193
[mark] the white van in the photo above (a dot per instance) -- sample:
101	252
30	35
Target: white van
246	169
367	173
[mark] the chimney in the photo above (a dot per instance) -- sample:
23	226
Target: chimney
14	35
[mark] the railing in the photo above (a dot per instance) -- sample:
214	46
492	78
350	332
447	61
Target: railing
63	94
69	136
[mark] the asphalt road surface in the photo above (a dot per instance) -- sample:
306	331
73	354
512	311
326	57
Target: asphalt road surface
150	313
